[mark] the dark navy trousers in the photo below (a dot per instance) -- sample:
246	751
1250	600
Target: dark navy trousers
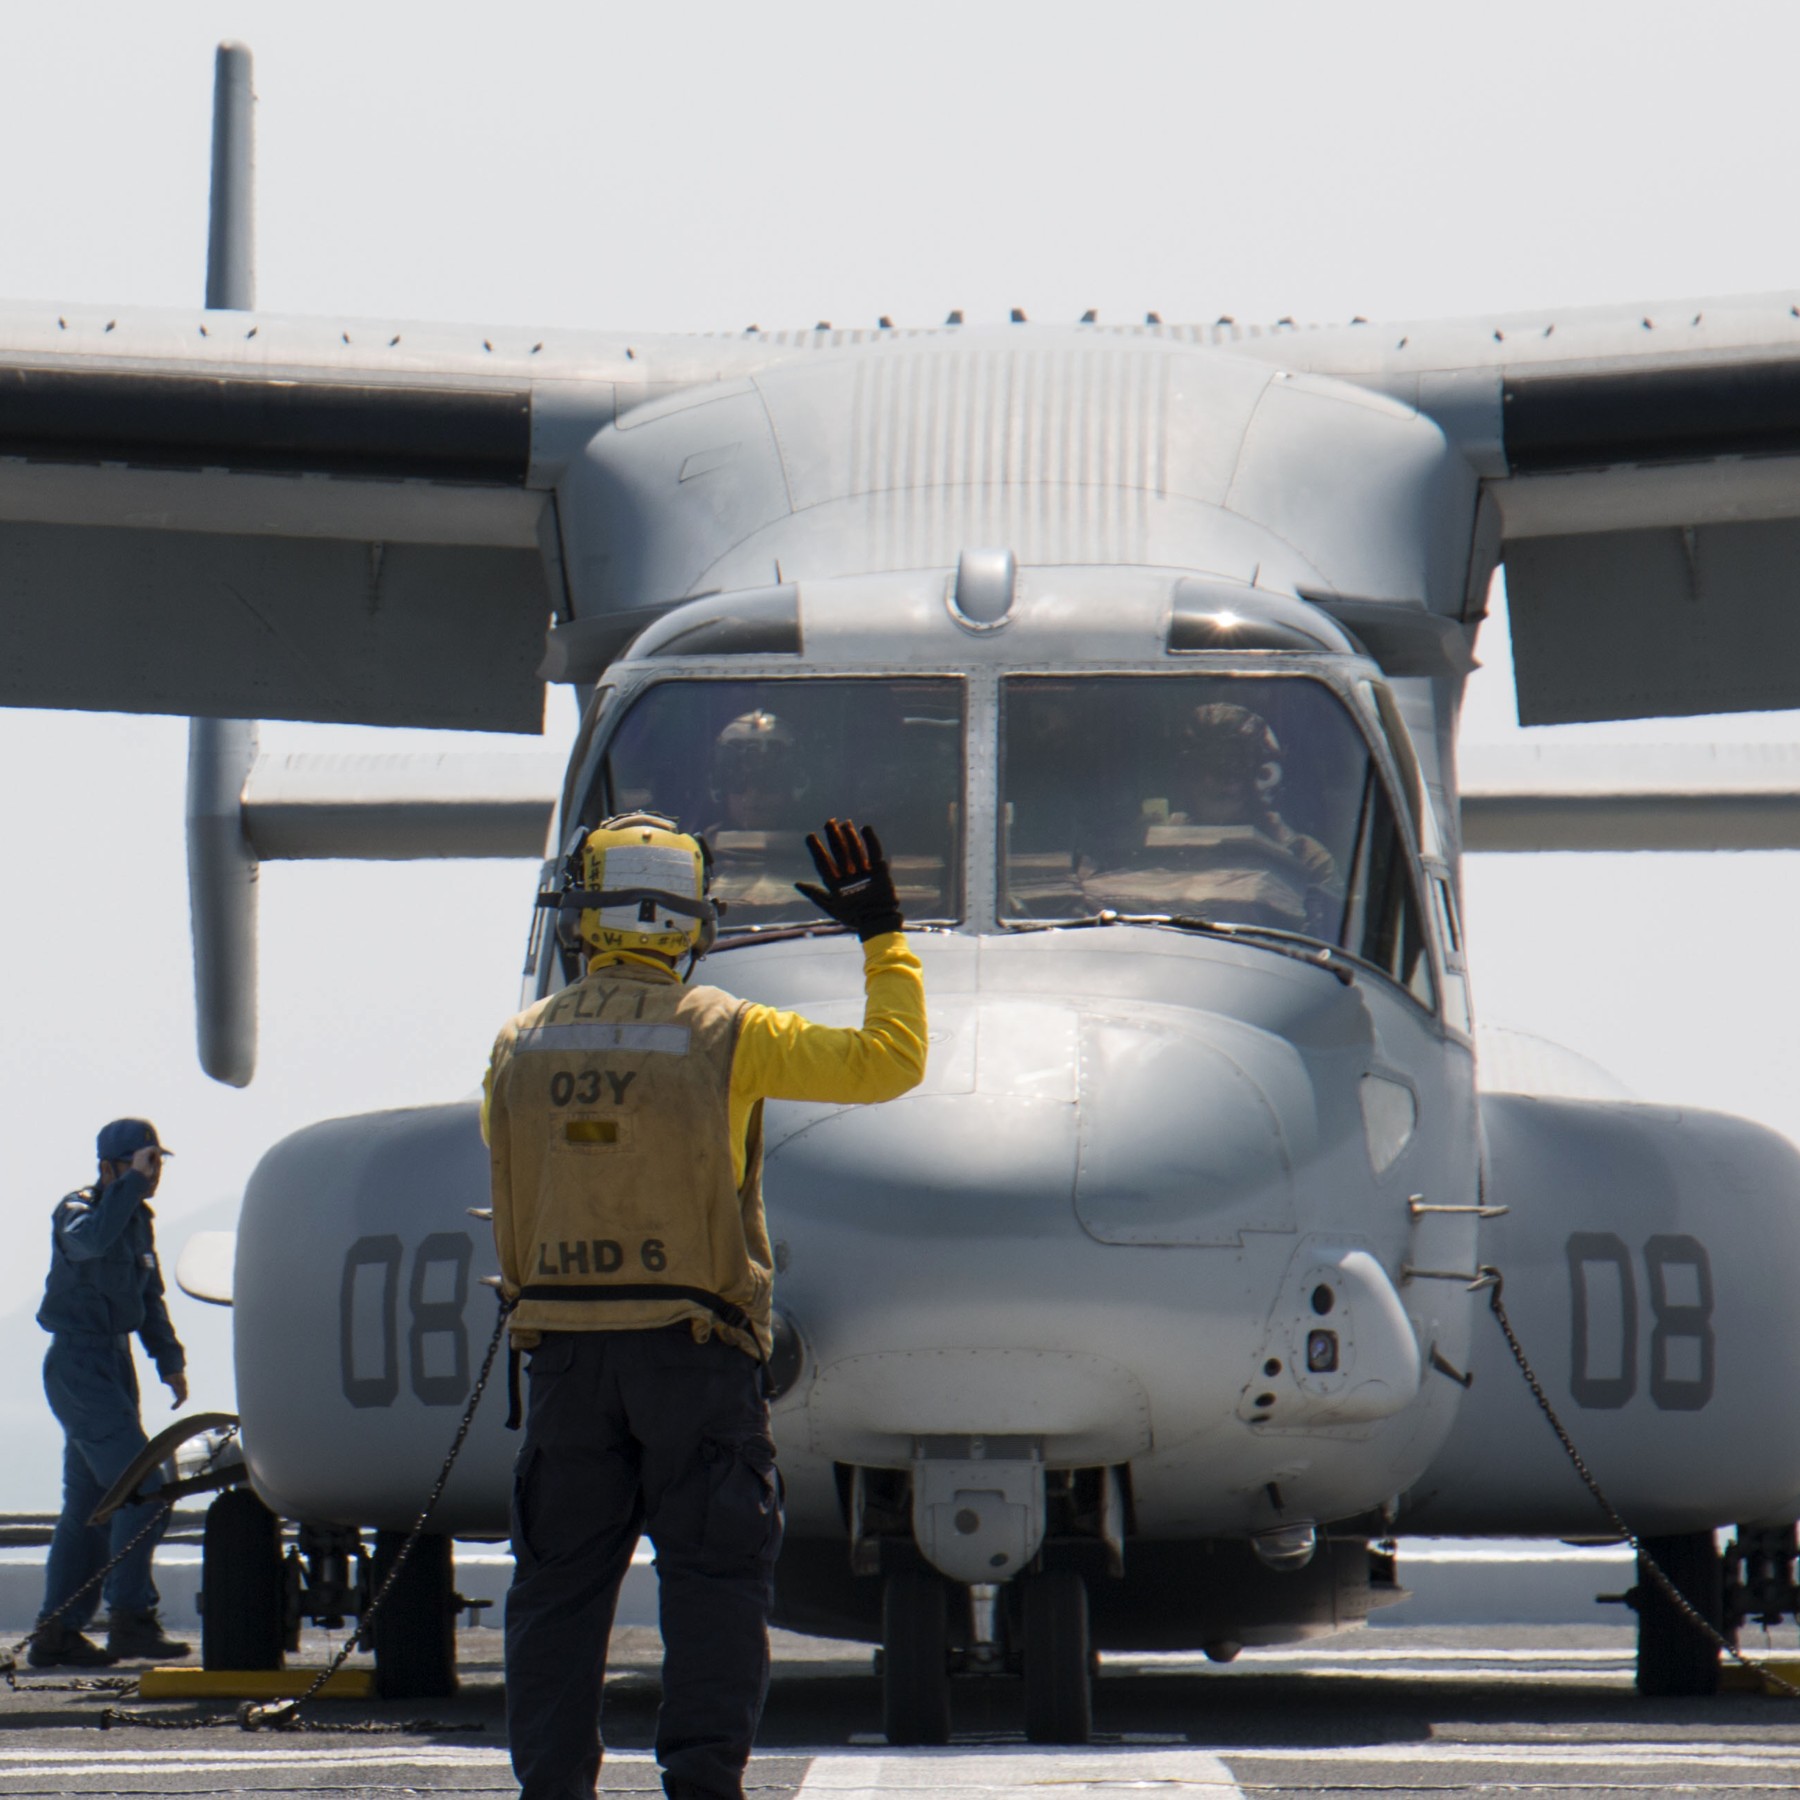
91	1384
630	1431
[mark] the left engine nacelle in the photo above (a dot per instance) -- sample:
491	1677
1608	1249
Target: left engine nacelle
361	1321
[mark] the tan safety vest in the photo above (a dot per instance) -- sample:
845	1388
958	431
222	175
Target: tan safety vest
612	1165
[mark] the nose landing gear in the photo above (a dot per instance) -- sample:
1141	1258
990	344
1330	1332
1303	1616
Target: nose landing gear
915	1658
1050	1646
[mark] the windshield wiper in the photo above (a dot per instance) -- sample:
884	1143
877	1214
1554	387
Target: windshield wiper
1294	944
809	928
777	934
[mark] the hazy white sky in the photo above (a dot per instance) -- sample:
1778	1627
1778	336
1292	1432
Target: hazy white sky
701	166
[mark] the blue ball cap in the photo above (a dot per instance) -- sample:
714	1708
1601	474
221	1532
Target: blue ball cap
123	1138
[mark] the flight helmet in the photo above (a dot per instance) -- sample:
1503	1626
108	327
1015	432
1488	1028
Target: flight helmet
1232	740
636	881
757	749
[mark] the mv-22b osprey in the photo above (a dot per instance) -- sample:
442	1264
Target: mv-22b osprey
1158	1308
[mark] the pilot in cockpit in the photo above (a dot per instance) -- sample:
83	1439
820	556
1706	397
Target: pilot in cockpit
758	836
1222	850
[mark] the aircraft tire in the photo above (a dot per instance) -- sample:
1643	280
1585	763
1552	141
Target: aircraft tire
915	1658
1058	1659
242	1623
1673	1657
415	1632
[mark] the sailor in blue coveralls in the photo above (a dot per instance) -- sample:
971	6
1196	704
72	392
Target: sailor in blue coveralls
105	1284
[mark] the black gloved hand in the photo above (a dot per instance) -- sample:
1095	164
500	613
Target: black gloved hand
858	891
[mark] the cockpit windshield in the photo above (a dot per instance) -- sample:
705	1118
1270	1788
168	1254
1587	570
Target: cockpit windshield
755	765
1238	800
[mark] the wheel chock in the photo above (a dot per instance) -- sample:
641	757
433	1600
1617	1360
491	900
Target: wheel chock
1734	1678
175	1683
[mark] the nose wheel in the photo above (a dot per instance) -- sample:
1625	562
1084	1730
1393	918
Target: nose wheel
1058	1658
915	1658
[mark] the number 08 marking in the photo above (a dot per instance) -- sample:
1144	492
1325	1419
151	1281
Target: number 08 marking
368	1323
1682	1342
1679	1322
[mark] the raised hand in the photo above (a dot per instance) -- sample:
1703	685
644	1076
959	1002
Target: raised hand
857	889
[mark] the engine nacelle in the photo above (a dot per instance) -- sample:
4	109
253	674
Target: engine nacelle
360	1323
1649	1258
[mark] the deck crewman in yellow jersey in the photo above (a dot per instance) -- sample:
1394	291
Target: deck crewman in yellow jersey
624	1120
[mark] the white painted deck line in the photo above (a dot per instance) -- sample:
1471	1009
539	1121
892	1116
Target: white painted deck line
1476	1552
1008	1773
1634	1754
66	1764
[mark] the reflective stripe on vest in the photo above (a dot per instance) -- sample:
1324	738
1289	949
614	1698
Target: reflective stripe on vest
663	1040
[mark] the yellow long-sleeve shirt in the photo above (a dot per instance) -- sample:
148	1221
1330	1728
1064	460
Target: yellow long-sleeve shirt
783	1056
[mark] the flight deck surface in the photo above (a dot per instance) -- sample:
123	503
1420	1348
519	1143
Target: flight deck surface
1523	1709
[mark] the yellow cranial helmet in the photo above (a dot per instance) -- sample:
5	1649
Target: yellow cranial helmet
637	882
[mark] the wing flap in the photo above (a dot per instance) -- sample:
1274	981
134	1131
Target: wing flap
134	620
1664	622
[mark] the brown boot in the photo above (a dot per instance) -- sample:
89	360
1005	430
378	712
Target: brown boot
139	1636
61	1646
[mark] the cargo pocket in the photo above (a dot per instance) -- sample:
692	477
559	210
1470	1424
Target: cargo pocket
743	1509
554	1506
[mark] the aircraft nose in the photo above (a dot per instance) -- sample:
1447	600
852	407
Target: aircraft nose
970	1260
1188	1130
985	1146
1158	1130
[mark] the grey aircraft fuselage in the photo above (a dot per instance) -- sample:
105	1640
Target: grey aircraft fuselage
1176	1246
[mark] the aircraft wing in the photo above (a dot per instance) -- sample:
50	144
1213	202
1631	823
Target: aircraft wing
1641	479
242	515
233	514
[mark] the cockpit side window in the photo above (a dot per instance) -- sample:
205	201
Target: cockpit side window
1245	800
1382	923
754	765
1401	748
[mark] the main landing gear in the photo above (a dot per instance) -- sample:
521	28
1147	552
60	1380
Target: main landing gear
243	1610
1752	1580
253	1598
1674	1656
1036	1626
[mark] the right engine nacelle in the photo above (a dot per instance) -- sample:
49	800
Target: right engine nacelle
1650	1259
